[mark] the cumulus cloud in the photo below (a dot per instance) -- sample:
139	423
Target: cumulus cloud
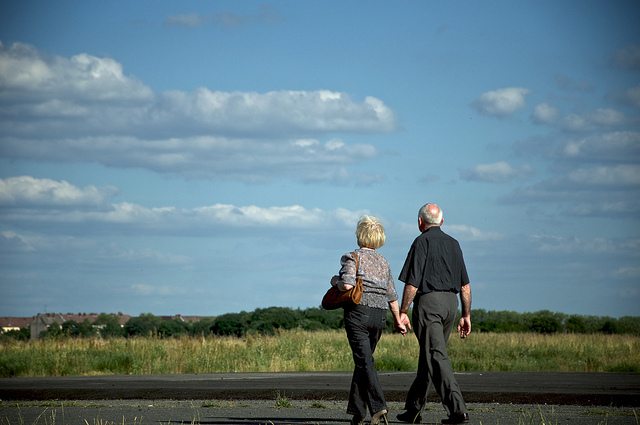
501	102
544	113
628	57
30	191
86	108
620	146
497	172
470	233
39	206
24	71
547	114
266	14
568	83
574	244
618	175
190	20
632	96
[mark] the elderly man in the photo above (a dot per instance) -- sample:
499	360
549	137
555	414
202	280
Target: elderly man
434	274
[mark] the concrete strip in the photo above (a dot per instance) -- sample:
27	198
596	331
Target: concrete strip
596	389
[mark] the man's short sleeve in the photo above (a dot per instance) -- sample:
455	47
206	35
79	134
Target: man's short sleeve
413	265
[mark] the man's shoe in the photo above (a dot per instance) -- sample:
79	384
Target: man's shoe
409	416
356	420
456	418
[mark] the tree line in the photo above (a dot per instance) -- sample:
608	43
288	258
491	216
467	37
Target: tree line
269	321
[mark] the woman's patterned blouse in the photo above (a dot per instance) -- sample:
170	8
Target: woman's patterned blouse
379	287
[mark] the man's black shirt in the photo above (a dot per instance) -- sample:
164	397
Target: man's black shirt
435	263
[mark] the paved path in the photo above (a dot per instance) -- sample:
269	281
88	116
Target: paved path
602	389
311	398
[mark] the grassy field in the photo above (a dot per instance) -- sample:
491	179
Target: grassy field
293	351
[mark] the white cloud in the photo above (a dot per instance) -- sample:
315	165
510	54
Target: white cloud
574	244
544	114
632	272
470	233
628	57
501	102
86	109
82	77
497	172
190	20
547	114
153	289
14	242
607	117
612	146
165	219
618	175
633	96
27	190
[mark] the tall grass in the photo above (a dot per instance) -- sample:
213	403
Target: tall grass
302	351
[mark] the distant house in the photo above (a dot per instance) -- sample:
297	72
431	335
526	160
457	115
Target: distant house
42	321
14	323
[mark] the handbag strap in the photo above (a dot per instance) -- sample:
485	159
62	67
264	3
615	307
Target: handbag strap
357	259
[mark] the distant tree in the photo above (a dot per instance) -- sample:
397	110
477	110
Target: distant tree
576	324
108	326
320	319
83	329
545	322
498	321
629	325
53	331
610	326
144	325
267	320
231	324
202	327
173	327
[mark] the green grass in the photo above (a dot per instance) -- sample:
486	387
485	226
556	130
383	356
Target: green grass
301	351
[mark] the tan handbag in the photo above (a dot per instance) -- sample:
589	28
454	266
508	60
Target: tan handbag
335	298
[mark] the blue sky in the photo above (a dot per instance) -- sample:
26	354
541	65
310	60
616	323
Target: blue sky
202	157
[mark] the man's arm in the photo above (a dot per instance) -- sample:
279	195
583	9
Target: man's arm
408	295
464	327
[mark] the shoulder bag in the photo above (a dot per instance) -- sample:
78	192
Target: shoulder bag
335	298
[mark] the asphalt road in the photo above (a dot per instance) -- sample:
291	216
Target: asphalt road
311	398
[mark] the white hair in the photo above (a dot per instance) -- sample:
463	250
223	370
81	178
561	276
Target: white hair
431	214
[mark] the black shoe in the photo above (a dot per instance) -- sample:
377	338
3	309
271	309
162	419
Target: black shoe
410	416
456	418
356	420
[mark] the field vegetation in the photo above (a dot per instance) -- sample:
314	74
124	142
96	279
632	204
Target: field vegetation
280	339
299	350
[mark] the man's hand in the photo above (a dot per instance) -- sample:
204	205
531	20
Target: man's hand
464	327
404	321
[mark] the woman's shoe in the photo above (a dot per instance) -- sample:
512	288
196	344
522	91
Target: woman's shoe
380	418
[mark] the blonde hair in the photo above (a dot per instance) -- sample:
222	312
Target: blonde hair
370	232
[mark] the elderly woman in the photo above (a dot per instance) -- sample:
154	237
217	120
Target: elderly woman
364	322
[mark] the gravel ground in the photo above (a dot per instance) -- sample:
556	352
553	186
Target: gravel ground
280	410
